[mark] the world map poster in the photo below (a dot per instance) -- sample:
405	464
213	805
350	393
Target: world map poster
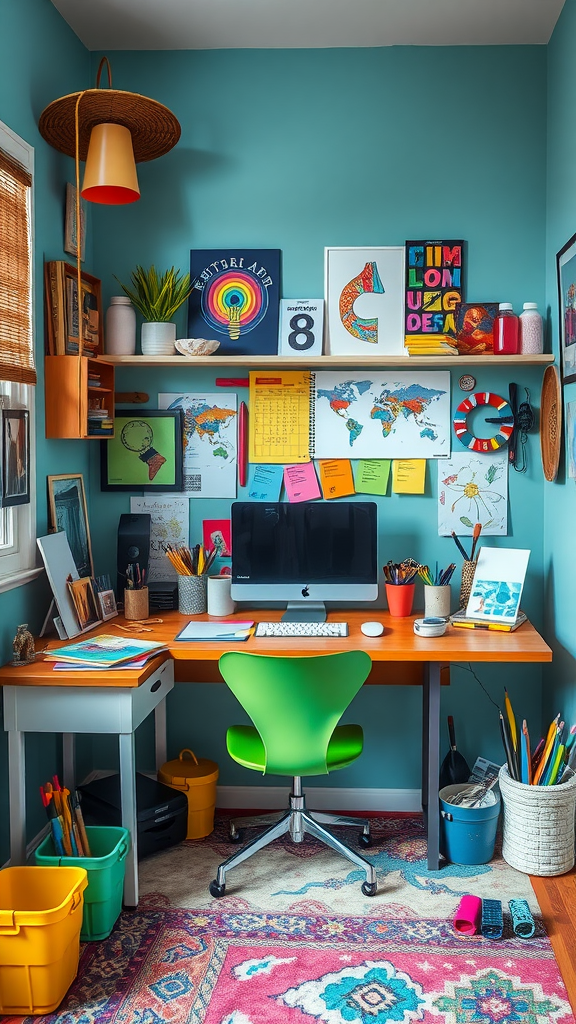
210	442
392	415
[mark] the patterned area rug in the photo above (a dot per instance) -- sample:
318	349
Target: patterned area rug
295	942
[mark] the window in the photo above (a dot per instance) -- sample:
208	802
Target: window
17	372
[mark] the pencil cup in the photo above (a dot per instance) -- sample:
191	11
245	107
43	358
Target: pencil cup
400	597
437	601
468	570
136	603
191	595
219	600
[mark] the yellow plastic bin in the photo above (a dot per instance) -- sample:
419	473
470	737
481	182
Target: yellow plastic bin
197	778
40	919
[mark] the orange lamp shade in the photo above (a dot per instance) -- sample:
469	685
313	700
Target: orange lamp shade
110	172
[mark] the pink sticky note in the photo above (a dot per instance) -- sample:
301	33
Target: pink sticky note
301	482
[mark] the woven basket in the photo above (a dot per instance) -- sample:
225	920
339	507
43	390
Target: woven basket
538	831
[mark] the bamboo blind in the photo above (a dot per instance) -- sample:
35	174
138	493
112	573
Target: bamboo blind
16	339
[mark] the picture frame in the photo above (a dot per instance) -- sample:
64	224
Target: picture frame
107	603
68	511
61	291
70	240
375	276
147	452
84	600
566	279
15	457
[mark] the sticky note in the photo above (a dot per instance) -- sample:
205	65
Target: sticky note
265	482
301	482
408	476
336	478
371	476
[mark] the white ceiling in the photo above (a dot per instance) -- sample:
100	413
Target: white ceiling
211	24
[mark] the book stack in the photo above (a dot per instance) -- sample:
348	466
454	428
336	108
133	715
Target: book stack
94	379
99	420
105	651
431	345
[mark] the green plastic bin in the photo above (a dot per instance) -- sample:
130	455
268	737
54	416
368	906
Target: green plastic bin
106	867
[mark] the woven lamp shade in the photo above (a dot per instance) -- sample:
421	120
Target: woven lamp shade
154	128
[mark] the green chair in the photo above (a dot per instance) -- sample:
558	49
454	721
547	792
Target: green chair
295	705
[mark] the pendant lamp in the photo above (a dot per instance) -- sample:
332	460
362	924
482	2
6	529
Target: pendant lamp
112	131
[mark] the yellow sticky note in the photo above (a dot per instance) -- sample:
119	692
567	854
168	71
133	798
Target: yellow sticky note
336	478
408	476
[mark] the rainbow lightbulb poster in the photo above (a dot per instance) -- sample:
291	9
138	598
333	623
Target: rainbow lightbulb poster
235	299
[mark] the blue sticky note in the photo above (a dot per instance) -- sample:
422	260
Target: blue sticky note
265	482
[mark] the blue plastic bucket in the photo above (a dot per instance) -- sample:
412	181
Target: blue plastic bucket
467	834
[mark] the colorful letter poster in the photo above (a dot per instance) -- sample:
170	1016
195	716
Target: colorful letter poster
434	286
210	443
473	488
235	299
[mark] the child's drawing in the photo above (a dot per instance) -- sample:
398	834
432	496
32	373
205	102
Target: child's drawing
473	489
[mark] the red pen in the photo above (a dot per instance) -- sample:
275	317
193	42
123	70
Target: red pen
232	382
242	444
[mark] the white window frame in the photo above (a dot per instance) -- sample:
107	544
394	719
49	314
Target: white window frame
18	560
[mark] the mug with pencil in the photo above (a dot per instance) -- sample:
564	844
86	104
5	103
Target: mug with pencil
192	566
400	584
469	565
437	591
135	592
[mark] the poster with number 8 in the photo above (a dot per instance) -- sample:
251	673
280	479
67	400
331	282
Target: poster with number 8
301	323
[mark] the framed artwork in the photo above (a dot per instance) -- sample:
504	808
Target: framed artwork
70	240
84	601
107	603
475	327
235	299
566	273
146	453
434	285
364	290
68	512
15	457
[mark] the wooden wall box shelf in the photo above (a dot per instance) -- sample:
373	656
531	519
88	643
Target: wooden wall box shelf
67	394
332	362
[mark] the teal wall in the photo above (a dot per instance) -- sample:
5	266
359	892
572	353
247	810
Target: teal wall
346	147
559	497
40	59
328	147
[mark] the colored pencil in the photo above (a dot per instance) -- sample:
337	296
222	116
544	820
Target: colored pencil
525	762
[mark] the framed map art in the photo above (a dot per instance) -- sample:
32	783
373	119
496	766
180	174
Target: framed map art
566	272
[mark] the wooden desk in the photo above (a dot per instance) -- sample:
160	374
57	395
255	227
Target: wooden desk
399	658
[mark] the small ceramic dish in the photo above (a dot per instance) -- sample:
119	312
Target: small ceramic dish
431	626
196	346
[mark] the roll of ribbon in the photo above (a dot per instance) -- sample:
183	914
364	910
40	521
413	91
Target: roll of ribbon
469	915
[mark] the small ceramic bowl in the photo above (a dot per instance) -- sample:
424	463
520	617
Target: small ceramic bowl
433	625
196	346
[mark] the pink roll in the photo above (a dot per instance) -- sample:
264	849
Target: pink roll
469	915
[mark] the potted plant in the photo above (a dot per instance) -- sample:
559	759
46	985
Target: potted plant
157	297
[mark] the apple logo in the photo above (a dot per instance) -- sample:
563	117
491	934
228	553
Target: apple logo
305	592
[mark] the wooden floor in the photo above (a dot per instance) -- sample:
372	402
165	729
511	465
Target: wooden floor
557	899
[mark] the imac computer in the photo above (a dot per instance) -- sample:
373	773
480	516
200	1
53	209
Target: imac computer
304	554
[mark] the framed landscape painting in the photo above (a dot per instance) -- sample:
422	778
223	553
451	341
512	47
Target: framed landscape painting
364	291
566	272
68	512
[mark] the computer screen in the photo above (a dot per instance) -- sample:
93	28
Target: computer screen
304	553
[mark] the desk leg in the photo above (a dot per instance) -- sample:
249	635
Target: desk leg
129	814
431	761
160	734
68	760
17	797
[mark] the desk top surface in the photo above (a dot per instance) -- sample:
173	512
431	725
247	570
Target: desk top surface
398	643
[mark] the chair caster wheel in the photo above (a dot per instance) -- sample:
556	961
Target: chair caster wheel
234	836
368	888
217	890
365	839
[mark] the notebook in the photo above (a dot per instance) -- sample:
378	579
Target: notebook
222	631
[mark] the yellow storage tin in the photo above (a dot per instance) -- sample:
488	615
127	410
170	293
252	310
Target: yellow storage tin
197	778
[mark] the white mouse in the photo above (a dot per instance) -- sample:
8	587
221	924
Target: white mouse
372	628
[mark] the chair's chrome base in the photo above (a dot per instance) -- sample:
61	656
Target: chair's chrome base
297	821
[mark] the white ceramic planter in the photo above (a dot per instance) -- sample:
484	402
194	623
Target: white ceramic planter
158	339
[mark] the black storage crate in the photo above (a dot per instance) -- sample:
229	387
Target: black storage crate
162	812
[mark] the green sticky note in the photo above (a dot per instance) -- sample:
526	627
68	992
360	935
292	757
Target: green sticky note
371	476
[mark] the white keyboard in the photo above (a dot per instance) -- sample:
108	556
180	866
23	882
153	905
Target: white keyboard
282	629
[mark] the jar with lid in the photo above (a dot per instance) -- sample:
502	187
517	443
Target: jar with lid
506	330
531	330
120	336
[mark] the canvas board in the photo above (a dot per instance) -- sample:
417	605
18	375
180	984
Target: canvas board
59	564
364	290
497	585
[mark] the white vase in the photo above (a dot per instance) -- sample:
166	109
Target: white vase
158	339
120	327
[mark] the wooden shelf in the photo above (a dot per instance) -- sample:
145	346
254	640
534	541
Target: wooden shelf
329	362
67	392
